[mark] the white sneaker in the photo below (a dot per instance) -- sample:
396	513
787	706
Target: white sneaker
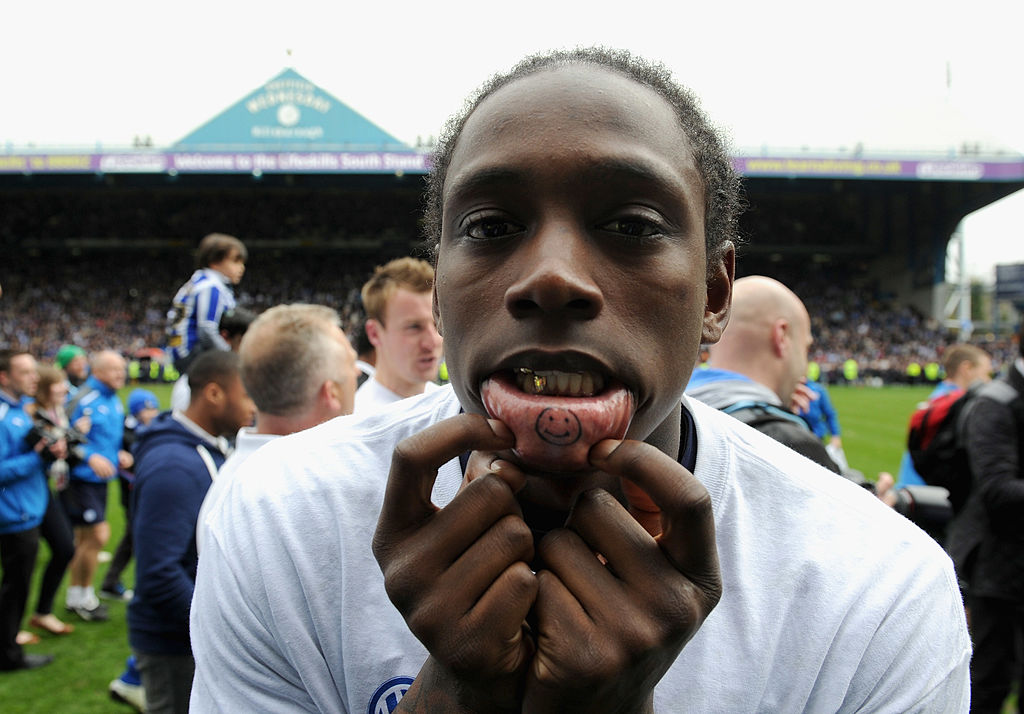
131	694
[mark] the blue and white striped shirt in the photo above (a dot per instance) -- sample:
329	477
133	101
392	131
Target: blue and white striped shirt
193	322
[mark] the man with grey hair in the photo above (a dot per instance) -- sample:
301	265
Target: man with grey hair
300	371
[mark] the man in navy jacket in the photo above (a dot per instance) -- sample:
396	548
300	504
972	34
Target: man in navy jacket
177	460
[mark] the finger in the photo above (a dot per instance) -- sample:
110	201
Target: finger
473	514
642	507
573	559
802	397
503	608
556	608
416	460
454	582
507	541
490	639
628	553
687	520
485	462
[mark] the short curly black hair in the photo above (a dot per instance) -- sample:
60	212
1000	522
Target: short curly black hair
724	201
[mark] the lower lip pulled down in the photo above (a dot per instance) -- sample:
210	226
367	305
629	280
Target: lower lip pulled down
556	433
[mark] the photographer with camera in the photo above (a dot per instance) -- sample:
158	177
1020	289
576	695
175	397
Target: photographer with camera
23	497
51	424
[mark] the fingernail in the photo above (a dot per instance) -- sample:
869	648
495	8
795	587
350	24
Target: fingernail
500	429
499	465
603	449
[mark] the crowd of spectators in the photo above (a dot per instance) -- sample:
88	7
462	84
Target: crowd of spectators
119	299
852	319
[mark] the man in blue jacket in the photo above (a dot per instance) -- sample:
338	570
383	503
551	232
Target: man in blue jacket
97	411
177	459
23	498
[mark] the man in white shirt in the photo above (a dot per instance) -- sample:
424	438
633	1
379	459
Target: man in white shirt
561	530
299	370
400	326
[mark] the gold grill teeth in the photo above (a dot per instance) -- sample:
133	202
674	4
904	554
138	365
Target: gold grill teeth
537	382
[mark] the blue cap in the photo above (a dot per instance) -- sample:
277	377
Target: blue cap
141	399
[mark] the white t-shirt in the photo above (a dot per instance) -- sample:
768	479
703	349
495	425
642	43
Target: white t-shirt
246	443
832	602
181	394
373	395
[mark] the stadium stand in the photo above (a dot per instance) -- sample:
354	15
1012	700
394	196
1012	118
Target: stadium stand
103	298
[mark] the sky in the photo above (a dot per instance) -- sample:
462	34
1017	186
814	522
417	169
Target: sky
893	75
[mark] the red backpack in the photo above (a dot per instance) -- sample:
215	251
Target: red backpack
936	446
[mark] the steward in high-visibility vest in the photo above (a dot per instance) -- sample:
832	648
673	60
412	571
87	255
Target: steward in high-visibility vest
813	371
913	372
850	370
171	374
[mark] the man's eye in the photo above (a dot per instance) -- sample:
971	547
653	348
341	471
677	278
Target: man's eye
491	228
632	227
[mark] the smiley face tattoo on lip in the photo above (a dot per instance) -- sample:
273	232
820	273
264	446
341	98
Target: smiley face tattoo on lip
559	426
555	433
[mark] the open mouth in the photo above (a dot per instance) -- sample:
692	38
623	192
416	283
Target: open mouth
557	416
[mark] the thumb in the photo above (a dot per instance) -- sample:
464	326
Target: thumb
642	507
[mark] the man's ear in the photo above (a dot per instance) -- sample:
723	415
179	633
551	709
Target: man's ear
214	394
330	394
780	337
719	295
373	328
435	310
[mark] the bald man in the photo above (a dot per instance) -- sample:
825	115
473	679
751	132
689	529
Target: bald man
97	406
758	364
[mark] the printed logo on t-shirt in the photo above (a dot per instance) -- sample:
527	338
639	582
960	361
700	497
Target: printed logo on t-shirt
385	699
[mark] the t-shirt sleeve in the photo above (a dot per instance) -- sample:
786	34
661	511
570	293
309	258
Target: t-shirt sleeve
918	659
246	660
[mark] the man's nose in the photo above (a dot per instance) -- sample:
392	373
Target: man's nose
555	275
431	337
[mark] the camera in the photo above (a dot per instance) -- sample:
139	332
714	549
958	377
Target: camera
928	507
45	430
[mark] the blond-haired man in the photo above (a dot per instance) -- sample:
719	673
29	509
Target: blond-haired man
400	326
